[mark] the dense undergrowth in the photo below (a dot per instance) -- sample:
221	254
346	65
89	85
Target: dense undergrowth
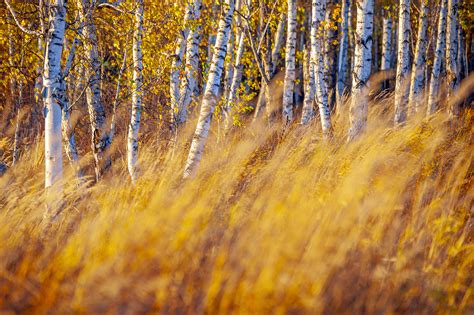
273	223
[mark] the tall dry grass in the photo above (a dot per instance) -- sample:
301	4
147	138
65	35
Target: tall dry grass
272	224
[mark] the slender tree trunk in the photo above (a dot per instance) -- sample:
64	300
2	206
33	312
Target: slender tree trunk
308	102
278	42
176	66
211	91
342	63
264	96
132	144
433	94
67	129
386	46
237	72
290	64
317	63
211	40
117	96
229	65
100	135
402	84
394	53
38	87
51	81
188	83
15	98
16	137
362	68
330	55
419	64
452	43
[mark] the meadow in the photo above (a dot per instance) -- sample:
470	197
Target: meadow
273	223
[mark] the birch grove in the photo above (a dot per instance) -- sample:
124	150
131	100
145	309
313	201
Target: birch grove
239	60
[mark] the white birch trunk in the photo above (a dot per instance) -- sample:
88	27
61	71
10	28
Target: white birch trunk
67	129
100	135
433	93
117	96
417	84
402	84
16	137
237	72
452	46
342	63
278	42
176	66
51	81
188	83
137	94
317	63
290	64
211	91
386	61
229	65
362	68
308	102
330	57
235	84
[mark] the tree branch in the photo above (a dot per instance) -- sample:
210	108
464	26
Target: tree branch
13	13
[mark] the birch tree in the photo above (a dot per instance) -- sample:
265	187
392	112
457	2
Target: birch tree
317	63
330	54
386	61
100	135
279	39
188	83
133	127
211	90
452	60
237	71
403	62
419	63
308	102
362	68
290	64
67	129
433	93
278	42
188	41
51	81
342	63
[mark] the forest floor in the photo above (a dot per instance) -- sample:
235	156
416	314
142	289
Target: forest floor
272	223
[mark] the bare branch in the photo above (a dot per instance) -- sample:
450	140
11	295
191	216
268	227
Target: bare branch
13	13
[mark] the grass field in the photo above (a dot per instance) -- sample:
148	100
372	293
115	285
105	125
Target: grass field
273	223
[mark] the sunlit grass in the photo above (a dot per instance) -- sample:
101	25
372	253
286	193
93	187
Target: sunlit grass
273	223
